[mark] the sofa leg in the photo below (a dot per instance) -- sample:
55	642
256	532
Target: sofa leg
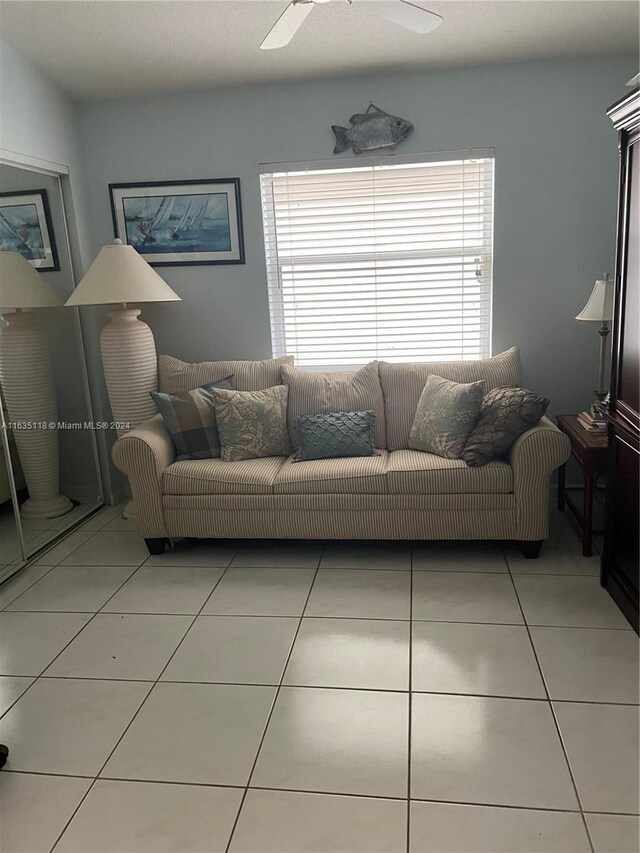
531	550
155	546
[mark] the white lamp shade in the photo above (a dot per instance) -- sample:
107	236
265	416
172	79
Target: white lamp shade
120	275
599	308
21	286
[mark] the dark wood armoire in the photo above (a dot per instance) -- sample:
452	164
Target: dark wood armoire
621	557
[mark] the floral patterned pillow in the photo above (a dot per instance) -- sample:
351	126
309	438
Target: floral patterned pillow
252	424
446	414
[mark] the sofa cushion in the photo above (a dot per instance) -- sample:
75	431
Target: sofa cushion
414	472
216	477
312	393
350	475
175	375
402	385
446	414
335	435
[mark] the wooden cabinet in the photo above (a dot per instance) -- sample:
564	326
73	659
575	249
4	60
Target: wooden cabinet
621	558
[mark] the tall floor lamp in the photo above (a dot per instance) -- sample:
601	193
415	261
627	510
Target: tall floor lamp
119	276
599	309
26	379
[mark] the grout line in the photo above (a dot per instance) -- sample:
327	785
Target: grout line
275	699
554	716
410	704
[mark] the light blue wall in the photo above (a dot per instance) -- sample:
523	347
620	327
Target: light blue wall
555	197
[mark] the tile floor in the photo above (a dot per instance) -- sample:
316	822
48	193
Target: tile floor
274	697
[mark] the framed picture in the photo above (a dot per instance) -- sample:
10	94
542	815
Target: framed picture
173	223
25	227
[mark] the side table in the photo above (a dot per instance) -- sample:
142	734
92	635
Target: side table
589	449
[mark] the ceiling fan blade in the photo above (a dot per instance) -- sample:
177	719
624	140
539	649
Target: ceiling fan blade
406	14
287	25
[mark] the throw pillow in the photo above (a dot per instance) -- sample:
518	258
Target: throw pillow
312	393
505	414
190	419
252	424
446	414
334	435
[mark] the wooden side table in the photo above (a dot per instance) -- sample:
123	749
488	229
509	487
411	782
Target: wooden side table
589	449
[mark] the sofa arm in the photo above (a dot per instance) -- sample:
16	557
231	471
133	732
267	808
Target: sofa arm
533	457
143	454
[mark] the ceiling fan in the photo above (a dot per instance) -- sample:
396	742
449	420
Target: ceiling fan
401	12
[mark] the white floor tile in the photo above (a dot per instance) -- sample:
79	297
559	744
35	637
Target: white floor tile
465	597
35	810
30	641
588	665
288	822
367	555
64	548
165	589
120	523
602	745
100	519
449	828
68	726
476	556
375	594
81	589
279	553
202	733
361	653
196	552
122	646
614	833
571	602
21	581
338	741
561	553
261	592
470	749
234	649
148	817
494	660
11	688
109	549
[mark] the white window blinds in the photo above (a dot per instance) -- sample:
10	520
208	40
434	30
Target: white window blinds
380	261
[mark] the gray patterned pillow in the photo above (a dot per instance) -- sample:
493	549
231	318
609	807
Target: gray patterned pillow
335	435
252	424
190	419
505	414
446	414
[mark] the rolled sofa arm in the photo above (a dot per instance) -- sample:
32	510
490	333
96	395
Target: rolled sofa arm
533	457
143	454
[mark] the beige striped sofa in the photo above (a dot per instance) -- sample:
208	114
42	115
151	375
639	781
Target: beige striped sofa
398	494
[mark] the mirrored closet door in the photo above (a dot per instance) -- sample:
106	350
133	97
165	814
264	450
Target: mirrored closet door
49	476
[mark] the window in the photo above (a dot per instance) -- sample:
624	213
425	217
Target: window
380	261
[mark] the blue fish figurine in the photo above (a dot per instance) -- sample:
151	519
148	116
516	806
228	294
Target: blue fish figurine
370	130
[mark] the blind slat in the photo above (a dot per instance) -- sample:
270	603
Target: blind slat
385	261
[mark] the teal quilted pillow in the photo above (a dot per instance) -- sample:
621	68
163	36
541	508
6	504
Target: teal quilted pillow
334	435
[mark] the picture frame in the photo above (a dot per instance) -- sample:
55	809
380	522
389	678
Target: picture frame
180	223
26	227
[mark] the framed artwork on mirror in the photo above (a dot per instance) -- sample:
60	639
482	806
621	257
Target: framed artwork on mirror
25	227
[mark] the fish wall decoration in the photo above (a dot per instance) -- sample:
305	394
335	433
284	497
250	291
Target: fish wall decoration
370	130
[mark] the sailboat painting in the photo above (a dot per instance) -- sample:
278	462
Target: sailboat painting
25	227
176	223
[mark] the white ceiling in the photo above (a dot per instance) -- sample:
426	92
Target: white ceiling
107	48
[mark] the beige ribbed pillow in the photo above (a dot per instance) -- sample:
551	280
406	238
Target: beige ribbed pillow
175	375
313	393
402	385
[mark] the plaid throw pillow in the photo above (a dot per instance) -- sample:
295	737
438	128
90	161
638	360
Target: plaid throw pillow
190	418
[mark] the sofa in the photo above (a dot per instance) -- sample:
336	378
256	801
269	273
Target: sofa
399	493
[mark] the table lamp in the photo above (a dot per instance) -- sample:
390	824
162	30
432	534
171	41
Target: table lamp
119	276
28	388
599	309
